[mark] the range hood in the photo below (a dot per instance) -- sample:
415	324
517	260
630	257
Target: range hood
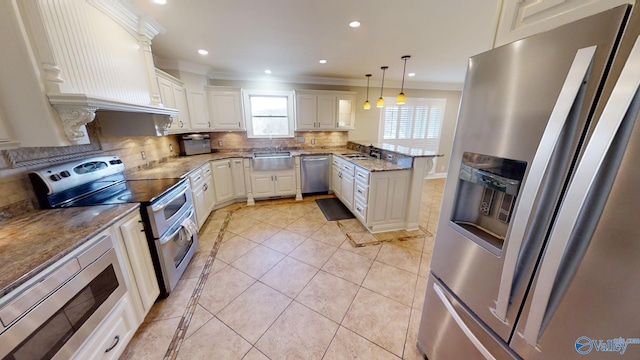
117	118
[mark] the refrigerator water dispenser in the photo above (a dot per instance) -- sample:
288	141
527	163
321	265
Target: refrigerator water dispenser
485	196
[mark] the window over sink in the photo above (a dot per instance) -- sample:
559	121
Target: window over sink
268	114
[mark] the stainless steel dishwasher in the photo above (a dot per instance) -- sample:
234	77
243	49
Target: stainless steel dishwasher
315	173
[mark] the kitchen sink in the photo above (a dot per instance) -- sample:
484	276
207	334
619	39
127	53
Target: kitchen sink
281	160
359	156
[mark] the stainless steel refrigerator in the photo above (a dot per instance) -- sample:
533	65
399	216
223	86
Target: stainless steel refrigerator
537	249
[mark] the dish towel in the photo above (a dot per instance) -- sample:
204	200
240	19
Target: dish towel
189	226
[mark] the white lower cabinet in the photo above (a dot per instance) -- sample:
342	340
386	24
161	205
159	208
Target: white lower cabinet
132	239
380	199
277	183
202	192
342	180
112	336
222	180
237	174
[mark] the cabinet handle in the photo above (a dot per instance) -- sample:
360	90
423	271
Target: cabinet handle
181	124
359	191
346	168
116	340
239	124
360	174
206	187
359	209
209	123
229	164
337	125
276	177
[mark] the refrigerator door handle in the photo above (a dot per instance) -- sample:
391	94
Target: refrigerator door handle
456	317
613	115
561	112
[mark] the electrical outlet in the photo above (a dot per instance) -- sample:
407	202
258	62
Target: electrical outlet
313	141
220	143
170	147
144	156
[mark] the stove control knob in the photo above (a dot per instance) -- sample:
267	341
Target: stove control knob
55	177
65	174
115	162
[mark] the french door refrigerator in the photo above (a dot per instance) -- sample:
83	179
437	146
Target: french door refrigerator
537	249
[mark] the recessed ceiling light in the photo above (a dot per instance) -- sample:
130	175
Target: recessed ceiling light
411	74
322	61
267	71
159	2
203	52
354	24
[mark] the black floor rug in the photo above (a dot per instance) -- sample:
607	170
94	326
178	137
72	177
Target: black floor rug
333	209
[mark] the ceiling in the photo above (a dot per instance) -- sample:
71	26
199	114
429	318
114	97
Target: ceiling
289	37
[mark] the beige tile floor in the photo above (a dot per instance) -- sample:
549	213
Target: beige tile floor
286	284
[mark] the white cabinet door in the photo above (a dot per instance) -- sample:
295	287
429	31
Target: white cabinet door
174	96
285	184
200	205
336	181
225	109
347	190
183	118
222	180
237	173
198	112
326	112
137	247
209	194
346	112
306	112
262	185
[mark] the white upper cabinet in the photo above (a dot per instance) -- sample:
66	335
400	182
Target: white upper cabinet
64	60
198	112
318	110
225	108
173	95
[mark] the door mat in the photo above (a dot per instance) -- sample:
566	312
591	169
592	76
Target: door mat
359	236
333	209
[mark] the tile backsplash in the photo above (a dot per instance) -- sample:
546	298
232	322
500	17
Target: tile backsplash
16	192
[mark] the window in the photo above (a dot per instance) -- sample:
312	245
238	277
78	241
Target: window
268	114
414	127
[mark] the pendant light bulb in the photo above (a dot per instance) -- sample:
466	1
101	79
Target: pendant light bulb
402	99
367	105
380	102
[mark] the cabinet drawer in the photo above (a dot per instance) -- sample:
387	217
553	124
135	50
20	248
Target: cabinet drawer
348	168
360	210
362	192
196	178
206	171
362	175
113	335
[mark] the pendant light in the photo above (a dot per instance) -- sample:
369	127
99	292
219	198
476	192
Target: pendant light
380	102
367	105
401	99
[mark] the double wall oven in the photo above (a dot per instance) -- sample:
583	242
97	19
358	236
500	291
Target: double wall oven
166	207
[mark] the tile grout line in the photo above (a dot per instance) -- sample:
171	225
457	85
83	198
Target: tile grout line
185	321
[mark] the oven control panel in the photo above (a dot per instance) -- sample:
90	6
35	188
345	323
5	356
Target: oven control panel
65	176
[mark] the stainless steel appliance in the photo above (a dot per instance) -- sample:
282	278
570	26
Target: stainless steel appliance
194	144
536	249
54	312
166	207
315	174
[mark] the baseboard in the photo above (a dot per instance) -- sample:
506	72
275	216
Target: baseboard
436	176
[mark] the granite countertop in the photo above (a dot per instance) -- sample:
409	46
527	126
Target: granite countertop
33	241
181	166
413	151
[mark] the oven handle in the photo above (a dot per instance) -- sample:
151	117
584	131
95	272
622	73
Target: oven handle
165	239
163	204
